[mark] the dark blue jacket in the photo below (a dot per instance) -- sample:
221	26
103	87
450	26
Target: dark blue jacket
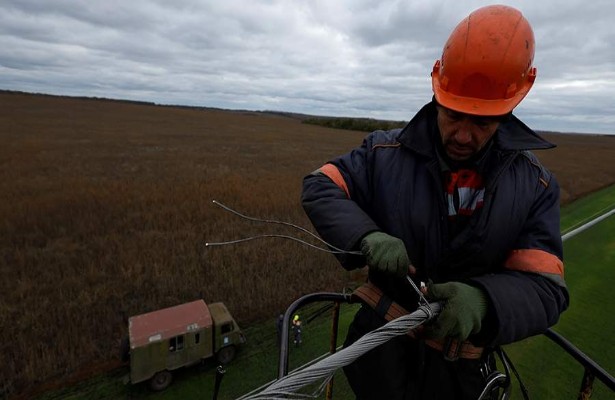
511	247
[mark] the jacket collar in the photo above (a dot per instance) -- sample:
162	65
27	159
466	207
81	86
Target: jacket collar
512	135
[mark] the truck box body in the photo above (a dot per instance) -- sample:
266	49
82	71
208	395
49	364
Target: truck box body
169	338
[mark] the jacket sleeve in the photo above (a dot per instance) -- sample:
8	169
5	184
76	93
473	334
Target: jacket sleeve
529	293
335	198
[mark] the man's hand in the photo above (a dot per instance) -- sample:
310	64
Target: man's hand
385	253
463	312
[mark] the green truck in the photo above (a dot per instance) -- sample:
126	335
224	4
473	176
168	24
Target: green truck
164	340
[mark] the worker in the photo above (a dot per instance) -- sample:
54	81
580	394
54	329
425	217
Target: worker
279	325
455	199
297	330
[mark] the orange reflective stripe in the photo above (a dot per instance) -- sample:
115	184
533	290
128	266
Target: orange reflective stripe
533	260
334	174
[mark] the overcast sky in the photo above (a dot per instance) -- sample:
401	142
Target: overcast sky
360	58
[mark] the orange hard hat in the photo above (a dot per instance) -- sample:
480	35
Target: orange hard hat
486	65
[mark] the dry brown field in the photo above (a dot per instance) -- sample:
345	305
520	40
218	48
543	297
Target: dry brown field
106	206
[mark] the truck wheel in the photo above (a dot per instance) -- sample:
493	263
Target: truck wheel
226	354
161	380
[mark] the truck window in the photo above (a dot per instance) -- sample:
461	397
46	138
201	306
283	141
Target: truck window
176	343
226	328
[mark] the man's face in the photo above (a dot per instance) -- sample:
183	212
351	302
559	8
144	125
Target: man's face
464	135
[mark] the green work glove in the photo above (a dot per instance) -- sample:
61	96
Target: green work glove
385	253
463	311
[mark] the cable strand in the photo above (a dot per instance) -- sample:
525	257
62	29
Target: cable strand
247	239
336	250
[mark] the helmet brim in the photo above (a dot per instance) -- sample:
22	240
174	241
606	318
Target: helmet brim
476	106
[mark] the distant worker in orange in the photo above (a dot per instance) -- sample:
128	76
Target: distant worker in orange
455	199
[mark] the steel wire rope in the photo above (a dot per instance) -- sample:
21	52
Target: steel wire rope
580	227
307	364
286	387
603	211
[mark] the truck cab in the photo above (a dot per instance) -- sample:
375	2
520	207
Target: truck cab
167	339
226	333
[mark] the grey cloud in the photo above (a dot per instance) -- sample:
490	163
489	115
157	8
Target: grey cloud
352	57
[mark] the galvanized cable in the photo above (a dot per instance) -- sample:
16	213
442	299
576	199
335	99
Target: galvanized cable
336	250
585	225
287	387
